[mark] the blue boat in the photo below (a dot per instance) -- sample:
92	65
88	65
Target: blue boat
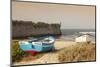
41	44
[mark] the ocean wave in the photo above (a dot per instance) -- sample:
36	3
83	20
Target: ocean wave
87	32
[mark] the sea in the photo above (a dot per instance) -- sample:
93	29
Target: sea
71	34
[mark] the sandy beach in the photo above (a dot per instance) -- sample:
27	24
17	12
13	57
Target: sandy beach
50	57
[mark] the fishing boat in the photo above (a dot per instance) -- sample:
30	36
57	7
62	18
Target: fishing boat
35	45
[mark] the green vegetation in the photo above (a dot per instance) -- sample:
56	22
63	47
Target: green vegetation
78	52
17	53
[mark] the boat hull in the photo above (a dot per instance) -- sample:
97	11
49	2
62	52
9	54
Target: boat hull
42	44
36	48
31	52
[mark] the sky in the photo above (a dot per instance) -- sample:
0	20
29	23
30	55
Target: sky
70	16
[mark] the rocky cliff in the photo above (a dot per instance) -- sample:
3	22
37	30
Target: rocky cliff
29	28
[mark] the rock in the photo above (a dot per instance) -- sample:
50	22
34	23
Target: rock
29	28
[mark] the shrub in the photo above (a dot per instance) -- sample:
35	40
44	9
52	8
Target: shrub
78	52
17	53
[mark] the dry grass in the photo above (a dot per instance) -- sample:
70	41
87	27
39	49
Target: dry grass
78	52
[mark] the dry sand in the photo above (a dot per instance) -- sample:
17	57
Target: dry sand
50	57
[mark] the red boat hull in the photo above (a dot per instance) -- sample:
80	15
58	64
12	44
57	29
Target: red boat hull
32	52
